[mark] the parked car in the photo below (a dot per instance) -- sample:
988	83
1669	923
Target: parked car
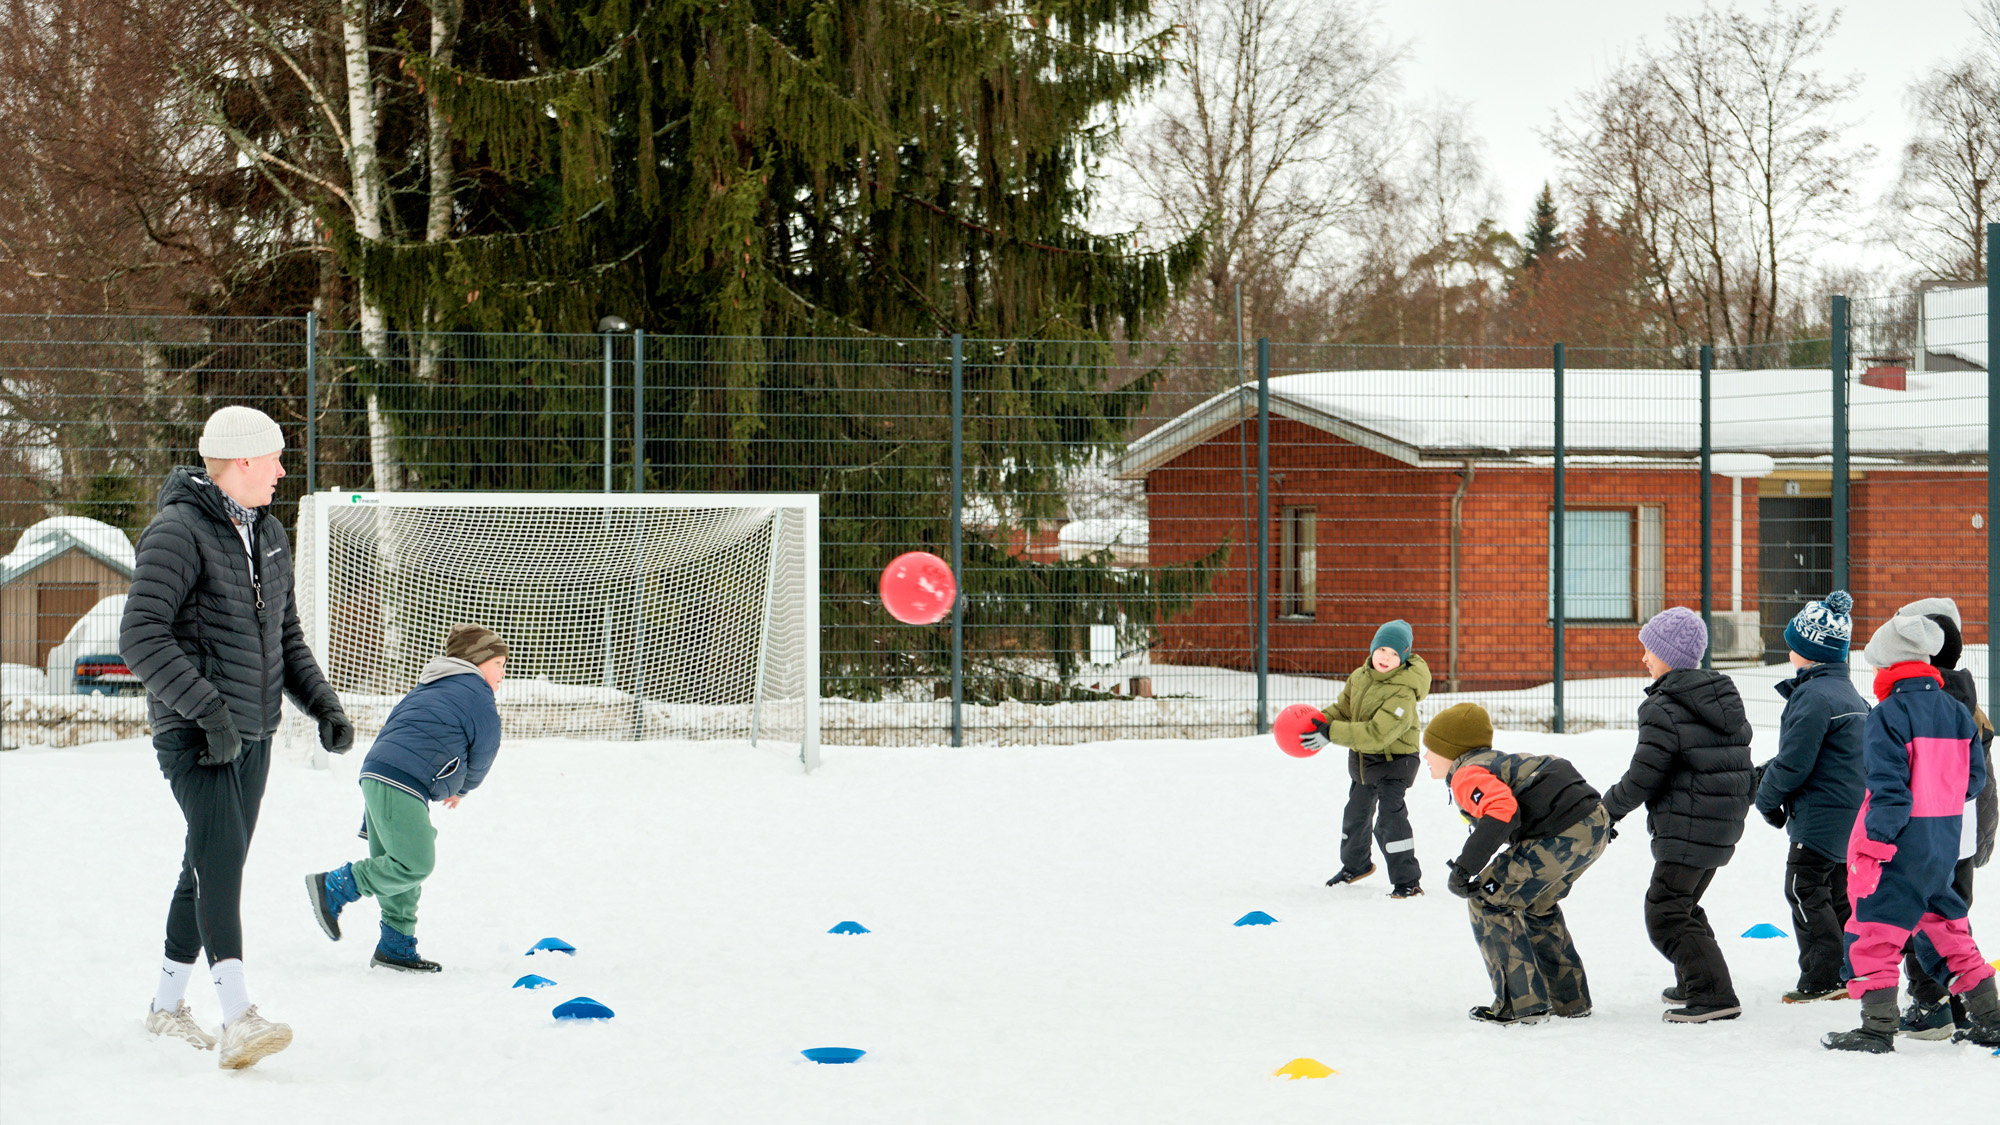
104	674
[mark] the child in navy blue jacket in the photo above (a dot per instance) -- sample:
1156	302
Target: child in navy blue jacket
1813	788
436	746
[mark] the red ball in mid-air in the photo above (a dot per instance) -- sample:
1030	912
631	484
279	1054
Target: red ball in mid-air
1291	724
918	588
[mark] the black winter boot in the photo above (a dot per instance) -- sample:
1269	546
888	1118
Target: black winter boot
1348	875
1877	1033
1982	1007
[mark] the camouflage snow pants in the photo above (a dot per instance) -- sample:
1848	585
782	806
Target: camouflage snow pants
1519	924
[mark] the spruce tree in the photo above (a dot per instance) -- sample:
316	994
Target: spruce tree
1542	239
871	174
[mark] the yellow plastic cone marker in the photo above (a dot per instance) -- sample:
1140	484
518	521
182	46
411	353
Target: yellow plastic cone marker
1996	964
1305	1068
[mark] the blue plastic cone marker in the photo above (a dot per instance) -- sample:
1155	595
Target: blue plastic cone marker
582	1008
832	1055
533	981
1764	929
849	928
552	945
1255	918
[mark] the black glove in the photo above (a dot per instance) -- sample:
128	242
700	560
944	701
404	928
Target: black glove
1775	818
336	733
1458	882
1613	834
223	741
1316	739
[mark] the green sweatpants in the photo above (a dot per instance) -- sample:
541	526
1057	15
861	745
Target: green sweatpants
402	852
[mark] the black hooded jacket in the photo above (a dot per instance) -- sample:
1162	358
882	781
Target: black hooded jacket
1960	685
1691	770
192	630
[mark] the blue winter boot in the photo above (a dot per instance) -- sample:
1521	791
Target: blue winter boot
330	891
398	950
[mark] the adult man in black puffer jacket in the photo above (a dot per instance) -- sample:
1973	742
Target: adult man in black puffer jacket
211	630
1692	772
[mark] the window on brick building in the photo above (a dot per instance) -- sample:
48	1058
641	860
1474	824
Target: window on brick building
1298	563
1614	564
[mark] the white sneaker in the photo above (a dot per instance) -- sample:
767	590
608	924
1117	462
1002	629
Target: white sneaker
251	1037
180	1024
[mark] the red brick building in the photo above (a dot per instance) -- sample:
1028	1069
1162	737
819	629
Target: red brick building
1429	495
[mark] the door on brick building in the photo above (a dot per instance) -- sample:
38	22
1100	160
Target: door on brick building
1795	562
58	607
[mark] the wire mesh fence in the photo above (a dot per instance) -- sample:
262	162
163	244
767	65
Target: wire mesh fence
1154	539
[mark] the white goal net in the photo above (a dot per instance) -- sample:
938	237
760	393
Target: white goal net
627	616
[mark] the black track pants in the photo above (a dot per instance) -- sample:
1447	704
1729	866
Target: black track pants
1817	889
220	804
1679	929
1376	793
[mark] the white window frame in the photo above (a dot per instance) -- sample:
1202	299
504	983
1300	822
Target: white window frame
1298	563
1645	576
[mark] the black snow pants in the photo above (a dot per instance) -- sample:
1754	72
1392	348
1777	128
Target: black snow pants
1930	979
1375	793
1817	889
220	804
1679	929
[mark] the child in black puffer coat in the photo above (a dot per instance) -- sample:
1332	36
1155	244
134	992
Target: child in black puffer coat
1692	772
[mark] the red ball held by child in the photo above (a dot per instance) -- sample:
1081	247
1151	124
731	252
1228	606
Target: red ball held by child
1291	724
918	588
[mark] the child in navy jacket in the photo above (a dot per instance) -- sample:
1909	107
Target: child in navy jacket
436	746
1919	769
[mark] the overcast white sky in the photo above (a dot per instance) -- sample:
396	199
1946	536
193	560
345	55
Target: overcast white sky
1515	64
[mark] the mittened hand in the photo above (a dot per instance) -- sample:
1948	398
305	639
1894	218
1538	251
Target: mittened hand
1458	882
1775	818
224	743
1864	866
336	733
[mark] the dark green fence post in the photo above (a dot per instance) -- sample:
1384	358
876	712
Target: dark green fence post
1707	505
638	410
958	538
1992	487
312	402
1558	531
1263	534
1839	365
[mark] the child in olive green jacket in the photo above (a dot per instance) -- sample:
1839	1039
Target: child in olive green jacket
1376	718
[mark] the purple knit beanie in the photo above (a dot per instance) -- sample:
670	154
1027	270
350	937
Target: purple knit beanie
1677	636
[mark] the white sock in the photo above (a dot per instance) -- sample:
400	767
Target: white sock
174	977
230	986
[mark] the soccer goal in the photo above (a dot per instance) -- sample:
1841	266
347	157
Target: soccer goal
626	616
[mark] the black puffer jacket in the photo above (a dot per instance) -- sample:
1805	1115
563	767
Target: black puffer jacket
192	631
1691	770
1959	684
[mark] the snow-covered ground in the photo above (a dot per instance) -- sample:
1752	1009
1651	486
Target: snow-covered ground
1052	942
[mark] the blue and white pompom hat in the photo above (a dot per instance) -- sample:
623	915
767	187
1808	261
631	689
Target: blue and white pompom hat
1823	630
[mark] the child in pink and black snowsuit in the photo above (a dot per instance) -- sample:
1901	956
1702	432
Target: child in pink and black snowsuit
1919	770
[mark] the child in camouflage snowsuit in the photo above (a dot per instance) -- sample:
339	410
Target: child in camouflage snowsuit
1554	827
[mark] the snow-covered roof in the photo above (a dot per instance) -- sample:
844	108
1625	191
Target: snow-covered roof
1509	412
1954	322
94	634
51	538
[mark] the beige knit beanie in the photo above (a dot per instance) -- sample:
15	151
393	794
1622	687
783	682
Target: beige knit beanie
240	431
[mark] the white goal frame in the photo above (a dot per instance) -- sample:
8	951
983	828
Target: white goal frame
315	526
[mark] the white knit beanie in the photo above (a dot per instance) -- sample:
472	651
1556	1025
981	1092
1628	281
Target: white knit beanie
1902	639
240	431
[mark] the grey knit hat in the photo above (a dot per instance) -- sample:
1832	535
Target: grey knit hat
1902	639
1676	635
1924	607
240	431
